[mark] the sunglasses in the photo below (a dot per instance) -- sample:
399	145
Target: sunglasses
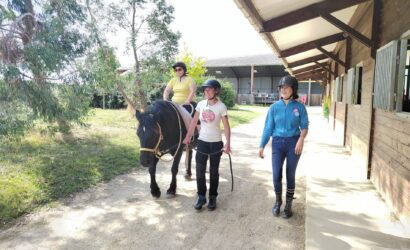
178	69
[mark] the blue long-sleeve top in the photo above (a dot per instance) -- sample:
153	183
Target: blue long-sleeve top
284	120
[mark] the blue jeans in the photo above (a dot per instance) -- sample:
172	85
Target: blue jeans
284	148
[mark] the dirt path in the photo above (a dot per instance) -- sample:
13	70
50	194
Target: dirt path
122	214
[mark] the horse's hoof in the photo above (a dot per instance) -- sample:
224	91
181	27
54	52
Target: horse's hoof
171	193
188	177
156	194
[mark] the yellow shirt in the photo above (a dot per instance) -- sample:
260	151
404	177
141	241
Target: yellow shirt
180	88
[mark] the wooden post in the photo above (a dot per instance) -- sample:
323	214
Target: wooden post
309	89
103	99
271	84
252	78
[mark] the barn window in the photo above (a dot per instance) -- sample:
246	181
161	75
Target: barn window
385	76
403	85
354	85
340	89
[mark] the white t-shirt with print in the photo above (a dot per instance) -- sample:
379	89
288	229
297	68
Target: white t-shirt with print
210	117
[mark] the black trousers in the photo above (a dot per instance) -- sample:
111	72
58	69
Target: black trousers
213	151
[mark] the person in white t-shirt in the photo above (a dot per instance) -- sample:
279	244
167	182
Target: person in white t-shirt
210	112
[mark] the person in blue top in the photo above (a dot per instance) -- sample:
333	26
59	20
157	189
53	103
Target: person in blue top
287	123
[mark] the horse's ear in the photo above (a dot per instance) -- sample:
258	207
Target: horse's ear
138	114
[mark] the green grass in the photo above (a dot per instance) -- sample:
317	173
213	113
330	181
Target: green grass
41	168
242	114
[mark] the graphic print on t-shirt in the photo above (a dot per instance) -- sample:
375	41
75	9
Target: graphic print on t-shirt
208	115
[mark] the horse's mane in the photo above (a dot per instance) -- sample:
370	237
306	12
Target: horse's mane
164	114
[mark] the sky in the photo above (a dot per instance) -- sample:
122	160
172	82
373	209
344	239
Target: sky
212	29
215	29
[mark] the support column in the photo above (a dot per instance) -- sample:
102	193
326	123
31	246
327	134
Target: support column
252	79
309	89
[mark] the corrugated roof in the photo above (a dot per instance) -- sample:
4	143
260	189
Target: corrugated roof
265	59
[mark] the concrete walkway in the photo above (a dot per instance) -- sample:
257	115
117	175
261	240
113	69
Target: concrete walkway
342	211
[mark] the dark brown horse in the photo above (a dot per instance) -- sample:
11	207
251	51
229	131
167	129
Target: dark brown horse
161	131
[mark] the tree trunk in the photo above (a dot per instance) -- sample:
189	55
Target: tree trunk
140	101
131	107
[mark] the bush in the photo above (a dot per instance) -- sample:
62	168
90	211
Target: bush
112	101
326	106
227	94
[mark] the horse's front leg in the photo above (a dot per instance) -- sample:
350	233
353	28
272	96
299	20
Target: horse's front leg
155	191
174	170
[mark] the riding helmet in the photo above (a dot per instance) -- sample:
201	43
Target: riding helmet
211	83
181	65
291	82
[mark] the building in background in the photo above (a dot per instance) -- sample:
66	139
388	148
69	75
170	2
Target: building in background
360	50
255	79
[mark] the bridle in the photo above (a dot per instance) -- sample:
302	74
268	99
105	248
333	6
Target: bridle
156	150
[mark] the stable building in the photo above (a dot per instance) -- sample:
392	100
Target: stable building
255	79
360	50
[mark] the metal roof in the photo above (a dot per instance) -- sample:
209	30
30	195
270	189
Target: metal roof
303	33
265	59
265	65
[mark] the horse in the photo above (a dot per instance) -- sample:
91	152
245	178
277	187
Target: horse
161	130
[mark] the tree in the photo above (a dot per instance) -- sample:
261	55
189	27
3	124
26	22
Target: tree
40	42
151	40
195	66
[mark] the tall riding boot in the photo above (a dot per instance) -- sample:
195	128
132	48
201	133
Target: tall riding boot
212	202
278	203
200	202
287	212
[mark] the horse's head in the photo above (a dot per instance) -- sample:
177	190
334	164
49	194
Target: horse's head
150	135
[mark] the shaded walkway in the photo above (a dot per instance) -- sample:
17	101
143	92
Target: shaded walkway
342	210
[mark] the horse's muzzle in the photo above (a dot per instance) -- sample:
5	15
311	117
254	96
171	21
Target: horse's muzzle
147	159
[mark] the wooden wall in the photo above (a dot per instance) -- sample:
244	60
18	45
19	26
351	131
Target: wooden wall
390	156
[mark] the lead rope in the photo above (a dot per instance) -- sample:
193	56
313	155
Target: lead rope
230	162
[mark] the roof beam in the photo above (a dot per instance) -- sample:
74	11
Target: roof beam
315	78
234	72
308	73
313	44
258	21
346	28
306	69
377	7
307	60
331	56
316	75
323	66
305	14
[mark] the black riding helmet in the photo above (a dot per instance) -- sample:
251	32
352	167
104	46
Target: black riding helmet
181	65
291	82
211	83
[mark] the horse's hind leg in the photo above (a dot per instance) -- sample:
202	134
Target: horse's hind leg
188	162
174	170
155	191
